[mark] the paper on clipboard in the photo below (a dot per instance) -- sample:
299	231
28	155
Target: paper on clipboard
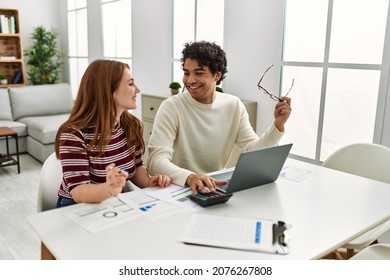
265	236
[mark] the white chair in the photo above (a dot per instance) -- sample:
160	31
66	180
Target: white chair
366	160
374	252
49	183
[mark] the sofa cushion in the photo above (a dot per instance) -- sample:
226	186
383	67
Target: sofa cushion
40	100
5	106
44	128
37	150
18	127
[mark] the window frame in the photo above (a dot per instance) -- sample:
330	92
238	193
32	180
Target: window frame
326	65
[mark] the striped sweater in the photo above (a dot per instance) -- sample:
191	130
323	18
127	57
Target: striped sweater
84	167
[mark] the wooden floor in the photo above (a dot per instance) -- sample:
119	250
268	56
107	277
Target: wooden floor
18	200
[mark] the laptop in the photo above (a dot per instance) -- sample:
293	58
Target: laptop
254	168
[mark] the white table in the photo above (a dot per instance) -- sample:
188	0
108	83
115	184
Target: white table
326	211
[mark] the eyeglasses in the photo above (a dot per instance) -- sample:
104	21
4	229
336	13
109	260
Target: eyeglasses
273	97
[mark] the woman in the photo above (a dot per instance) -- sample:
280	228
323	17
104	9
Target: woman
100	145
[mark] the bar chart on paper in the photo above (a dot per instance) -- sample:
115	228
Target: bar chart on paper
175	195
147	205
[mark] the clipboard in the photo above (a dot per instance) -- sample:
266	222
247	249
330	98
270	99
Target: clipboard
266	236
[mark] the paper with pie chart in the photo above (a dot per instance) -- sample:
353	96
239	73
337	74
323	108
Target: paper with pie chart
96	217
124	207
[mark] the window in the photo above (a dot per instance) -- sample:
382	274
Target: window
334	53
117	25
77	41
195	20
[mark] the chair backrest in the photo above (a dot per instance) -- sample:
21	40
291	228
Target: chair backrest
374	252
50	180
362	159
49	183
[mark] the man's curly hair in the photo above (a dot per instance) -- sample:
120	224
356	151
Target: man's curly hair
207	54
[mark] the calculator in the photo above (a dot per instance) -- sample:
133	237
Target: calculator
210	198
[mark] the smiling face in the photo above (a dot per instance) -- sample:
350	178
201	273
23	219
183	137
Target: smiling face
199	81
126	93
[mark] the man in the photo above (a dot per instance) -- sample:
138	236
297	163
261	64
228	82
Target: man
194	132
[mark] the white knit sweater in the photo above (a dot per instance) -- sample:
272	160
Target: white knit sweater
191	137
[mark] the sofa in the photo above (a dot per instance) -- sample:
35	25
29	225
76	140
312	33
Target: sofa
35	112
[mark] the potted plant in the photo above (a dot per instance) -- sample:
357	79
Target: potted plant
3	78
174	86
45	60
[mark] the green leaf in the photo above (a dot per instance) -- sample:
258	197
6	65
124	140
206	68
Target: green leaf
45	60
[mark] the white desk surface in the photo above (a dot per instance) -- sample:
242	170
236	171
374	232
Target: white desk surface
327	210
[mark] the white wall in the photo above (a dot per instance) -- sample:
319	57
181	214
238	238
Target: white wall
253	42
152	44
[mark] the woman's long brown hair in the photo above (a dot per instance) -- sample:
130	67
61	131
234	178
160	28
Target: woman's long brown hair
94	107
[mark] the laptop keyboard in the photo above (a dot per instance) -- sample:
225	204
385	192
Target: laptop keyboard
223	176
223	188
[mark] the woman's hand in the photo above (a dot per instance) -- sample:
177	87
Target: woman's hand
159	180
115	179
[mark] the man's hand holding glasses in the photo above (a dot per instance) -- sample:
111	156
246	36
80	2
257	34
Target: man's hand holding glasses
282	108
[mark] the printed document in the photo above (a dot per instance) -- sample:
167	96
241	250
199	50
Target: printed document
149	206
175	195
295	173
96	217
235	233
